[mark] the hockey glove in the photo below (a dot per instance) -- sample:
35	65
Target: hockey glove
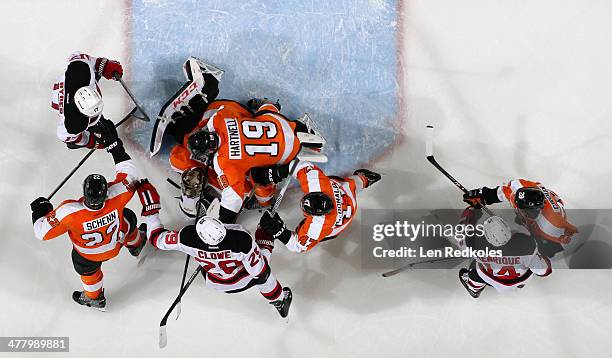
474	198
369	177
268	175
106	133
108	69
149	197
264	240
275	226
40	207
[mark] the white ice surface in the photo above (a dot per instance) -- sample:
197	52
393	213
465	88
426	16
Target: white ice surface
516	88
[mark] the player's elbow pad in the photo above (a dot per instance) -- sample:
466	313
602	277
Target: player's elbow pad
490	195
227	216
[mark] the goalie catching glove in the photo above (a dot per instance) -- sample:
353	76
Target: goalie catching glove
149	198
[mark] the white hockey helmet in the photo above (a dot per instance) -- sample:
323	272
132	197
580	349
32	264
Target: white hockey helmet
89	101
496	231
210	230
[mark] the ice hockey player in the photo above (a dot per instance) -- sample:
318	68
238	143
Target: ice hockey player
520	259
237	140
329	205
98	224
77	99
231	260
539	209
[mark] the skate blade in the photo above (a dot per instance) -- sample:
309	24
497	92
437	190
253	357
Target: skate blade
101	309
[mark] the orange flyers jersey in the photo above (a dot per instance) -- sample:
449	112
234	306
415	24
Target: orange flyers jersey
247	142
552	222
313	229
96	235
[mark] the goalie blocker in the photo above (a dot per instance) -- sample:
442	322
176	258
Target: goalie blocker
202	87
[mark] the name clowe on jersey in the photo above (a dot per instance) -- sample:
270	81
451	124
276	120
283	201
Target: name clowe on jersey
221	255
233	137
101	222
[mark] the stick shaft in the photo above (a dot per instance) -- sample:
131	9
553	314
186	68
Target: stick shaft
125	87
434	162
410	265
281	193
91	151
181	293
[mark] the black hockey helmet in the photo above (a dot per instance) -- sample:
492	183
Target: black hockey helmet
203	143
94	191
316	203
529	200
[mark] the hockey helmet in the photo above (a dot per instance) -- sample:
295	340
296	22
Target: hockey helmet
496	231
94	191
316	203
203	143
210	230
529	200
89	101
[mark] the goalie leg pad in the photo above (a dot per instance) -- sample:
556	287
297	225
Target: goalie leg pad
202	87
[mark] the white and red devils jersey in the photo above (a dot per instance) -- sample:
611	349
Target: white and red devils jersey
552	222
58	97
96	235
313	229
519	261
230	265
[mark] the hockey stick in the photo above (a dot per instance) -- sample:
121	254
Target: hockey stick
187	258
430	157
432	160
302	155
125	87
163	337
91	151
409	266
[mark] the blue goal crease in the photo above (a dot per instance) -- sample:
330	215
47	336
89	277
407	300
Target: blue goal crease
336	60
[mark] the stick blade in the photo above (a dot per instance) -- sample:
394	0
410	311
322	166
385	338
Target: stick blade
178	310
163	337
429	140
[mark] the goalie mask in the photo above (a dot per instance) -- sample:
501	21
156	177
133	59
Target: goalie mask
94	191
316	204
496	231
203	144
89	101
210	230
192	182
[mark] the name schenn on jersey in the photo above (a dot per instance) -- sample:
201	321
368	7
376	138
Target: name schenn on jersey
235	147
101	222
